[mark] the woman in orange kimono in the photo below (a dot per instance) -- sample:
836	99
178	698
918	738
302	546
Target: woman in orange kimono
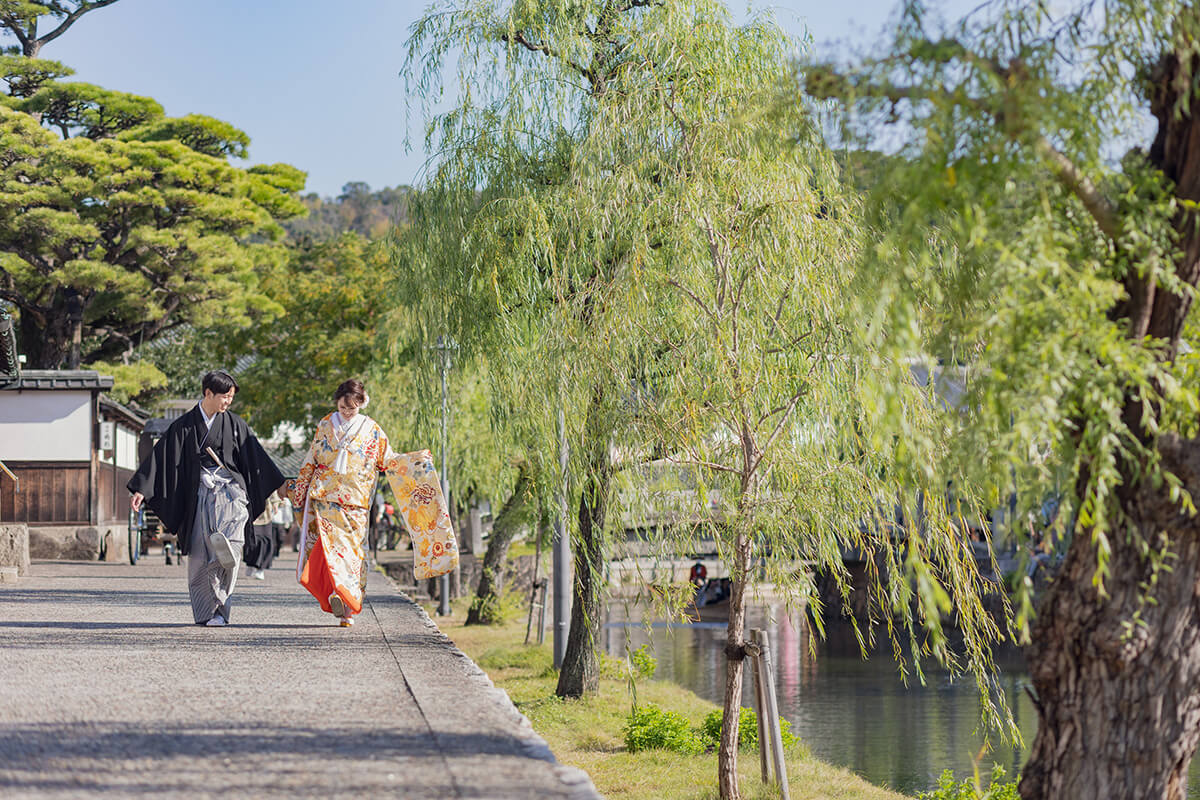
334	491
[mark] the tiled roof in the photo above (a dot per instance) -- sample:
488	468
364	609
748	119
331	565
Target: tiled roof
40	379
134	416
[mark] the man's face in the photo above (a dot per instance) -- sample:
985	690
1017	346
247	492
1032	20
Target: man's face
218	403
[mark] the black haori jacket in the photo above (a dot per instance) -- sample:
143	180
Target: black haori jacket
170	476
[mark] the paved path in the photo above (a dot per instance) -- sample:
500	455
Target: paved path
107	688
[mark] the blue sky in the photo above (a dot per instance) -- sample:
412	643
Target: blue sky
315	83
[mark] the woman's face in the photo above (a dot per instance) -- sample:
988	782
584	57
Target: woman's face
347	406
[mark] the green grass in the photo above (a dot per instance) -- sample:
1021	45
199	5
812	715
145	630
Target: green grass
587	733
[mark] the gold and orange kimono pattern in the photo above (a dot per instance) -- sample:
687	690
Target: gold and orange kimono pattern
335	507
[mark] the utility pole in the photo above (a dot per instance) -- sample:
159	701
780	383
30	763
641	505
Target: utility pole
444	346
562	553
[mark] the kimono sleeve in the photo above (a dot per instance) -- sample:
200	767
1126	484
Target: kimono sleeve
422	508
303	480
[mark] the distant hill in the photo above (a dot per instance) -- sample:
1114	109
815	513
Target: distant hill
356	209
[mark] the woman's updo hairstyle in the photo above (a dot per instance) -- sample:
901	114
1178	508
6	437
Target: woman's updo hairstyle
353	389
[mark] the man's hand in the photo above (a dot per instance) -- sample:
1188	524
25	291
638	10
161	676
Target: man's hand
135	502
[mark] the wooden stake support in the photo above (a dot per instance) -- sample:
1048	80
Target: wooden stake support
768	710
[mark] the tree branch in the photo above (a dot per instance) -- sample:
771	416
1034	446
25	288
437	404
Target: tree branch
707	311
828	83
706	464
70	20
1071	177
541	47
14	27
787	414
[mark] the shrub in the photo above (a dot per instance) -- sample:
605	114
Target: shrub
644	663
651	728
487	610
710	730
948	789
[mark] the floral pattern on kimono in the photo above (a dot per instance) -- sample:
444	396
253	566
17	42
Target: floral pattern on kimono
336	510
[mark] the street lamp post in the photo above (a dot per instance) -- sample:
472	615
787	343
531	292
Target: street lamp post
444	346
562	553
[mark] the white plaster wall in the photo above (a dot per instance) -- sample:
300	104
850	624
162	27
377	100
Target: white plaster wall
45	426
126	448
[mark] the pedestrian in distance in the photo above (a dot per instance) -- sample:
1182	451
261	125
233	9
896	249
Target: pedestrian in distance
260	548
205	479
334	491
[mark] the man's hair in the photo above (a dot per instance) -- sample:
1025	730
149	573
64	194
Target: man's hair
353	389
218	382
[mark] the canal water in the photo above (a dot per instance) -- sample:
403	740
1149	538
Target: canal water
850	712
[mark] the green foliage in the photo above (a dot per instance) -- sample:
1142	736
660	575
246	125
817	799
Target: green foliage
643	663
82	109
710	729
332	303
200	133
949	789
357	208
626	228
140	236
1014	246
487	610
126	224
24	76
136	381
651	728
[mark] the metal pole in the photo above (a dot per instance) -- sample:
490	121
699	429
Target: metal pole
444	580
562	553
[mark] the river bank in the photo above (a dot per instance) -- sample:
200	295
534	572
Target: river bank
588	733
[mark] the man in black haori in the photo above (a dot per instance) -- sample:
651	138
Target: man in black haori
205	479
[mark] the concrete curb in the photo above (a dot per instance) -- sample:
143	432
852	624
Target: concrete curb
533	745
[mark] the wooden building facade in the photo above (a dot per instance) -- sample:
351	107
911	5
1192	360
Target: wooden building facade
71	448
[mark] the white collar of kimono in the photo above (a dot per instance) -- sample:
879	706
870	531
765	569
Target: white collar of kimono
207	419
345	431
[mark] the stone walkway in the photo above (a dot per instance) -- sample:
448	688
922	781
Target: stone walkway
107	688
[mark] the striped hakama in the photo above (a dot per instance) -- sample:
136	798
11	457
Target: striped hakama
221	508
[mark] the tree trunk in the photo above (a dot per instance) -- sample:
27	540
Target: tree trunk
511	518
735	642
1117	677
580	673
49	345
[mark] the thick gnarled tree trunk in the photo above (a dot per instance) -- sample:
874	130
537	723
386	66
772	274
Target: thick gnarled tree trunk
512	517
1119	700
580	671
1117	675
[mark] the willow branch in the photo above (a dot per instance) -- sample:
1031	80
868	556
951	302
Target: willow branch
541	47
1073	179
779	426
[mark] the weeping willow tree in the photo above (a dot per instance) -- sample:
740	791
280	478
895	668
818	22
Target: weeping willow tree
1041	225
513	265
620	226
748	370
